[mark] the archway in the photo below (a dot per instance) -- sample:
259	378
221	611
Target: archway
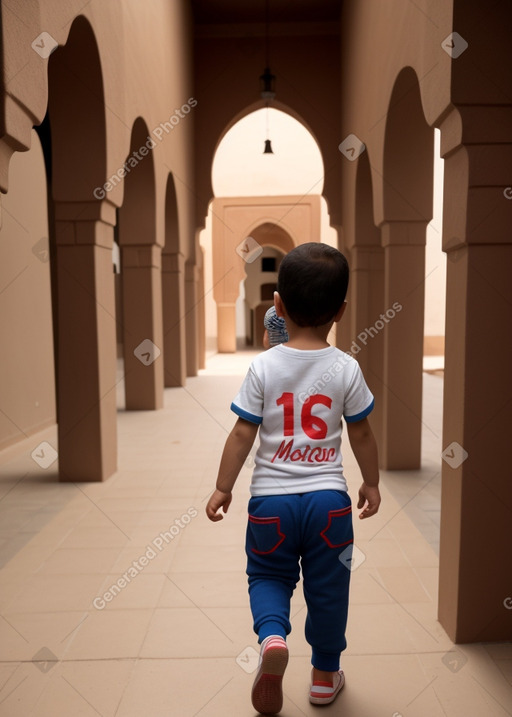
141	277
261	279
241	168
279	197
83	235
407	195
173	293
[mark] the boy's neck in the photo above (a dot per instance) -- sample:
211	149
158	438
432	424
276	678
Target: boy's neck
308	338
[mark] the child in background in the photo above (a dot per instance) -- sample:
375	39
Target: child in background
300	512
275	329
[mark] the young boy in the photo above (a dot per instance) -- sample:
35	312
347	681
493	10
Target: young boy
300	513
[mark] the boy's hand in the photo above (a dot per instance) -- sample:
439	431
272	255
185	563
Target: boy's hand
218	500
371	495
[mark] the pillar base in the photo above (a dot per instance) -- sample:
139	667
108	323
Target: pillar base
226	328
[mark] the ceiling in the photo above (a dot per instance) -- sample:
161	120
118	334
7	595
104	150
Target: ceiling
213	12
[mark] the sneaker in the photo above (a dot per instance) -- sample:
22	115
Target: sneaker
323	693
267	692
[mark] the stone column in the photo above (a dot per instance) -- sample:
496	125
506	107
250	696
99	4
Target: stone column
143	336
367	340
226	328
201	315
174	319
474	571
404	293
86	378
191	323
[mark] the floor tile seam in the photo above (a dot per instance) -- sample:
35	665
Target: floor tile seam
428	599
6	609
294	655
433	598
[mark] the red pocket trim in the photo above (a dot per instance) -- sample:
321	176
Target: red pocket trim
254	519
336	513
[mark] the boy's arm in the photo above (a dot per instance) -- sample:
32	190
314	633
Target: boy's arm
238	444
362	442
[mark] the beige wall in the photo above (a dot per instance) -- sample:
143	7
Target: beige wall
27	394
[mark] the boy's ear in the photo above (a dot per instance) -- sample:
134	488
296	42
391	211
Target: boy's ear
278	305
341	311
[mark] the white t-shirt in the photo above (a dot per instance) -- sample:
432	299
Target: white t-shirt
299	397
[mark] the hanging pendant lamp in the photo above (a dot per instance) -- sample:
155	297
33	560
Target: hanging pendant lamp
267	84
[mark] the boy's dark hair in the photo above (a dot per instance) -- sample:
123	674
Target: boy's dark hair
312	282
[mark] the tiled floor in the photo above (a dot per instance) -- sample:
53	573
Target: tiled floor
176	639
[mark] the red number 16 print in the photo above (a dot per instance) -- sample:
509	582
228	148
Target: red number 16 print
313	426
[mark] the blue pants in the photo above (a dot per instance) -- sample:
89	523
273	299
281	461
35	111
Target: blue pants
310	531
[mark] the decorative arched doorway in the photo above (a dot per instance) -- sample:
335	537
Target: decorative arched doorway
235	221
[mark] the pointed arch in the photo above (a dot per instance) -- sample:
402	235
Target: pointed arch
407	209
82	233
141	277
408	153
137	216
173	293
77	115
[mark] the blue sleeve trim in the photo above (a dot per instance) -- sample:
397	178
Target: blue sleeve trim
360	416
245	414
